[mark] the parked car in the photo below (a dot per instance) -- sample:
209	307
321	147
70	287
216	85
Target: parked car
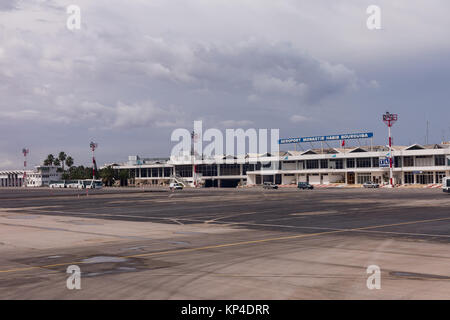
370	184
175	186
270	185
304	185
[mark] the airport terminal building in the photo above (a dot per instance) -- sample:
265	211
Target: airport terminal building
415	164
41	176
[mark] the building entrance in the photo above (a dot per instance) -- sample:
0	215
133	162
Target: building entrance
350	178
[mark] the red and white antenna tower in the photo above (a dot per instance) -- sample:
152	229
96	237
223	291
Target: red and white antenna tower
389	119
93	146
25	152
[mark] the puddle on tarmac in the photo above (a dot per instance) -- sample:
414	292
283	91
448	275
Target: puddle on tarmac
109	265
97	265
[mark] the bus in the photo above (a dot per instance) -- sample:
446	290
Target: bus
57	184
86	184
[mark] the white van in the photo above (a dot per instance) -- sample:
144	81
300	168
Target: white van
175	186
446	184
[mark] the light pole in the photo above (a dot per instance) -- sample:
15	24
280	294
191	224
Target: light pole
93	146
194	138
389	119
25	152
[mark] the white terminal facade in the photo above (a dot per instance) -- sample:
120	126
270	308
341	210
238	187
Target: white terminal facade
41	176
415	164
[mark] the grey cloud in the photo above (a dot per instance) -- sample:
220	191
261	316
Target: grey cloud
242	69
136	71
6	5
264	68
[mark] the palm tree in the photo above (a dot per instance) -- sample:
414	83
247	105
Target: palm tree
69	161
49	161
57	162
107	175
62	158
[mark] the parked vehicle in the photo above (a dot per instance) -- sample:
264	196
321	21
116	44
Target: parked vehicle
175	186
92	184
370	184
446	184
57	184
72	184
85	184
304	185
270	185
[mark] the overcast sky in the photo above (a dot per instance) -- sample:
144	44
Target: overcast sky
138	69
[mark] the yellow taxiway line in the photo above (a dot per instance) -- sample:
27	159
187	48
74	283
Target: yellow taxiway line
227	245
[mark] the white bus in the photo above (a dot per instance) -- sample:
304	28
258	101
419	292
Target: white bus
86	184
57	184
446	184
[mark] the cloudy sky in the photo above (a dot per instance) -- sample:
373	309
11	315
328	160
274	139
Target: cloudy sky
138	69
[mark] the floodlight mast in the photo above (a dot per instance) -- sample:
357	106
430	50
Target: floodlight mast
25	152
389	119
194	138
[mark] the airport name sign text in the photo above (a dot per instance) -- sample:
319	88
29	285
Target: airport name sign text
347	136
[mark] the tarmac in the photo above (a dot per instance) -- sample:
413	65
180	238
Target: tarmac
132	243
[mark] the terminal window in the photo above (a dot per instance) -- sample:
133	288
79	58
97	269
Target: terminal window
439	160
375	162
363	162
424	161
409	177
184	171
408	161
230	169
167	172
312	164
207	170
440	177
351	163
425	178
339	164
364	177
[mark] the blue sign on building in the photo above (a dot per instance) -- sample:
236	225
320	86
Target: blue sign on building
384	162
347	136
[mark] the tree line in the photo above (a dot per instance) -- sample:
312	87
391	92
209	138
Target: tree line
71	172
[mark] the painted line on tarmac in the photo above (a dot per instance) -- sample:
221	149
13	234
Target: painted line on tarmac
73	231
228	245
216	221
216	215
231	216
